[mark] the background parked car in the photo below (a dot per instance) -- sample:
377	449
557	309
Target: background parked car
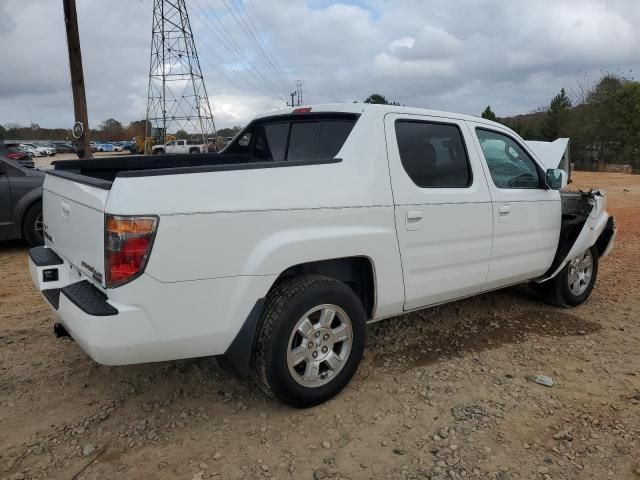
50	149
34	149
105	147
20	202
15	152
117	147
65	147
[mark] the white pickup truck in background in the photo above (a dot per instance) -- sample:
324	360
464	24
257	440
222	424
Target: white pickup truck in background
181	146
274	254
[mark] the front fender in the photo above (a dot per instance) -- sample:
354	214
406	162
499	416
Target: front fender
597	226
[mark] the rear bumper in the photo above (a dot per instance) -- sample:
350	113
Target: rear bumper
146	320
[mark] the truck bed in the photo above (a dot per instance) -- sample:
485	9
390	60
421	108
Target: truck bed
101	172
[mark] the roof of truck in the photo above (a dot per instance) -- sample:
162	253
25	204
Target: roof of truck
382	109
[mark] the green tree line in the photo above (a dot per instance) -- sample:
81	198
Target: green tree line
602	121
109	130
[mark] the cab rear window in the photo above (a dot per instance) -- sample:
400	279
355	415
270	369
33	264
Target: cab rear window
294	138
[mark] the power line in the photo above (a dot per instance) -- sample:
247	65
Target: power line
220	37
267	50
221	72
233	10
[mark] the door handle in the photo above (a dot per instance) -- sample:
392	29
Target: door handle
414	219
414	215
504	209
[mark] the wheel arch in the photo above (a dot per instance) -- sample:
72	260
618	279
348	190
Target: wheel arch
22	207
358	272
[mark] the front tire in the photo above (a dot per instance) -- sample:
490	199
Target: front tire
32	225
573	285
310	341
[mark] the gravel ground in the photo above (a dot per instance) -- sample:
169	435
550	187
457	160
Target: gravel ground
441	394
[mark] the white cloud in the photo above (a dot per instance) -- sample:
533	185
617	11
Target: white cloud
456	56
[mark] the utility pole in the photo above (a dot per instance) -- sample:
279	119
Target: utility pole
81	127
299	92
293	102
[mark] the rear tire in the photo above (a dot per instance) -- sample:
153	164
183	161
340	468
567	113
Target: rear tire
310	340
194	150
573	285
32	226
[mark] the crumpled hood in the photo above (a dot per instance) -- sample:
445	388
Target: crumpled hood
552	154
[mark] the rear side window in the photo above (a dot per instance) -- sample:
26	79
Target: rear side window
270	142
433	154
318	140
294	139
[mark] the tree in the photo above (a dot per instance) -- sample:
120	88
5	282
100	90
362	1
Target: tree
376	98
229	132
627	132
556	120
182	134
488	114
3	133
137	128
112	129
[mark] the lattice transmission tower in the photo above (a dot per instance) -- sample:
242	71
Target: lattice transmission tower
177	98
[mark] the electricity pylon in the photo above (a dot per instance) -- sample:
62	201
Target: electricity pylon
177	98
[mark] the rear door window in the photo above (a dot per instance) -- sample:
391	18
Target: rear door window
433	154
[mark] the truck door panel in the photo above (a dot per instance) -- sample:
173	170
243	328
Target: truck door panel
442	206
526	214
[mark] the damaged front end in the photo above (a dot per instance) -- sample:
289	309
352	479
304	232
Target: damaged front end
585	222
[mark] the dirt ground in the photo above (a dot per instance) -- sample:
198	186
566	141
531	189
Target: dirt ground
441	394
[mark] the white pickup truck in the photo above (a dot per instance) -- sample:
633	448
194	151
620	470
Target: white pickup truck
180	146
274	254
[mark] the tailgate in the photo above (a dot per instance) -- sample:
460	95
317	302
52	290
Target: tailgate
74	223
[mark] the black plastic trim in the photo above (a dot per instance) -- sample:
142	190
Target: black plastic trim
89	299
222	168
44	257
53	296
84	179
237	358
605	237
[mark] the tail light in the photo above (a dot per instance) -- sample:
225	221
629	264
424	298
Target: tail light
15	156
127	246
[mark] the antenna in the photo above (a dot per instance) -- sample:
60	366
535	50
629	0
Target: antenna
177	98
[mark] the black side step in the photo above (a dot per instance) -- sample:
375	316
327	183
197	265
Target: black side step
89	299
44	257
53	296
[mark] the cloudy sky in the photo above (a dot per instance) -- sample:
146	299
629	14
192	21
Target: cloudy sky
451	55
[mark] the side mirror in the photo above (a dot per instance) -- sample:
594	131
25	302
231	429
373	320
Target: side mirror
556	179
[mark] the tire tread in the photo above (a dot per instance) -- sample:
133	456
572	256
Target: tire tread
277	301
